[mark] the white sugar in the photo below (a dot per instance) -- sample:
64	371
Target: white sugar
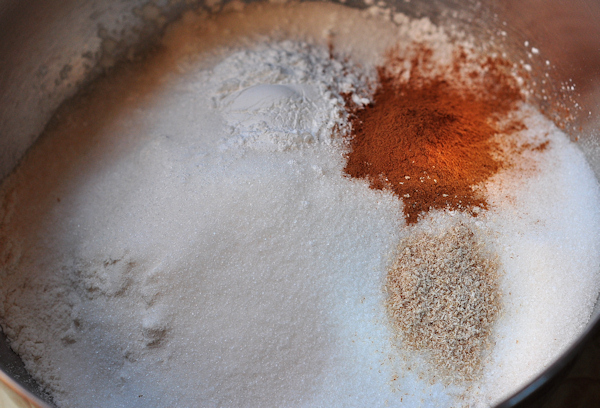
193	240
547	237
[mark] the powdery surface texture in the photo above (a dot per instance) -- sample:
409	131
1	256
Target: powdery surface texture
183	234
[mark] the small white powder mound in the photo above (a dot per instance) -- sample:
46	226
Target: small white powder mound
277	97
193	240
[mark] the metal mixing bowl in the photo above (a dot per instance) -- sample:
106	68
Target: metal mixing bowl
51	48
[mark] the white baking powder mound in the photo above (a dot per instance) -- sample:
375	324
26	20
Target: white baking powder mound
183	233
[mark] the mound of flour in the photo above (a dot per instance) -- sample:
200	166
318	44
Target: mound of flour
194	241
285	96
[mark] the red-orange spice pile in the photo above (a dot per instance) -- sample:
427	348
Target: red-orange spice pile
430	139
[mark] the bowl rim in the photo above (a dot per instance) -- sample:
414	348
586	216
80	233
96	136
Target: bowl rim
26	395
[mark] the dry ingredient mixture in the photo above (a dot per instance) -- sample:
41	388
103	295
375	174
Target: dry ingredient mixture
432	139
259	214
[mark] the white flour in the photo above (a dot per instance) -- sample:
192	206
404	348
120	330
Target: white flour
194	242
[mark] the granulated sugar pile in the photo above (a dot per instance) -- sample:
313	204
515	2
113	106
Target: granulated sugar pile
185	234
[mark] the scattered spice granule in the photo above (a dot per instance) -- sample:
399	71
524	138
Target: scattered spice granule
444	298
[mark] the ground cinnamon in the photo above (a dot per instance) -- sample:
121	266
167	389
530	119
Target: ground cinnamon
431	138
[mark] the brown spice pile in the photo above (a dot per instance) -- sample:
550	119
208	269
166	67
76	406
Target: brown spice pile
444	297
430	138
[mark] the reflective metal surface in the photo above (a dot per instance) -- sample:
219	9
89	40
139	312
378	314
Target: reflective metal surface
50	48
